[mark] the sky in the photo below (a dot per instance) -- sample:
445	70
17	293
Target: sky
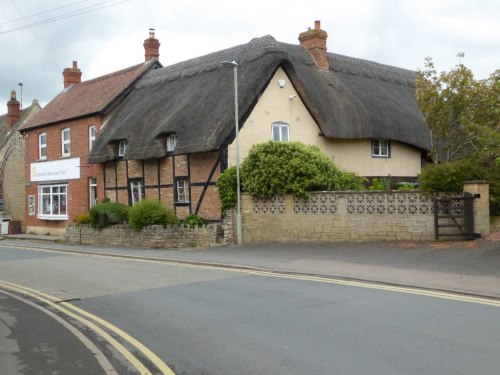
39	38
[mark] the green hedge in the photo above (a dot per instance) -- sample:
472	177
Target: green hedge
150	212
108	213
278	168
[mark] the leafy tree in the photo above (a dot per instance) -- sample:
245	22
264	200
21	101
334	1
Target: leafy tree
463	114
277	168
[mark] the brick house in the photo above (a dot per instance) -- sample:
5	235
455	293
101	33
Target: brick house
12	149
361	113
60	184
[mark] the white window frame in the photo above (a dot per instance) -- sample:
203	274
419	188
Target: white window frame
182	190
122	148
171	142
92	191
92	131
381	148
42	146
53	202
66	142
280	131
136	191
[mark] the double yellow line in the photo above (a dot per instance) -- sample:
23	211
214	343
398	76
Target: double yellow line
387	287
95	323
455	296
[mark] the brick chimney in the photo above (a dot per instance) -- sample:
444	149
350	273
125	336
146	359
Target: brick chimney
151	47
13	110
314	41
72	75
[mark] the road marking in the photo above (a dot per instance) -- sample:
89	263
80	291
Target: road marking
98	354
57	304
392	288
279	274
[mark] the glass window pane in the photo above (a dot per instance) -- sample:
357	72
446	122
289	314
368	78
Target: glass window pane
284	133
276	133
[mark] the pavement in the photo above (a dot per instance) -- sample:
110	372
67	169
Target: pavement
469	267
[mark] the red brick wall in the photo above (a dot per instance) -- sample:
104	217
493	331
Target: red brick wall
78	190
159	178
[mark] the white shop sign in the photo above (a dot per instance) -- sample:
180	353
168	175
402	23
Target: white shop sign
65	169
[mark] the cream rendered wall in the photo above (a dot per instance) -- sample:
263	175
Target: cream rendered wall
356	156
283	104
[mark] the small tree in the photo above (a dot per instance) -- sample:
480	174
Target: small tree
462	114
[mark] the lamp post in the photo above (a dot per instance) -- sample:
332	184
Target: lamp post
239	235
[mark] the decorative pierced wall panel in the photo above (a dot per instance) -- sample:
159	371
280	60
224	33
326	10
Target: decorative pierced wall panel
319	203
448	205
274	205
393	203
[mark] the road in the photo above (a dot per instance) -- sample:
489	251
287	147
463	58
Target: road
193	319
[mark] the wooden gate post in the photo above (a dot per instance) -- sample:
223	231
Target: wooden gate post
481	192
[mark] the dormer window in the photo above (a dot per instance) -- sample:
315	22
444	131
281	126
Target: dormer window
122	148
171	142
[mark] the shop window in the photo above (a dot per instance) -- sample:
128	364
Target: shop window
52	202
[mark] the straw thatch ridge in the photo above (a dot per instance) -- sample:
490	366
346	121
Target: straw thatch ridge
354	99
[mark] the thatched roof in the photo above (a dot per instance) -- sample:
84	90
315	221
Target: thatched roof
194	99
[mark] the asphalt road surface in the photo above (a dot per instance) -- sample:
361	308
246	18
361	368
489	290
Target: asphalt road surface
210	320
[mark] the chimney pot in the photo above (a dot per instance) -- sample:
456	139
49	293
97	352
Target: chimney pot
72	75
151	47
314	41
13	110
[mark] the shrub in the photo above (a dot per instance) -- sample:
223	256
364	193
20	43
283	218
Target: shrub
82	218
226	185
150	212
108	213
407	185
350	181
449	177
193	220
380	184
278	168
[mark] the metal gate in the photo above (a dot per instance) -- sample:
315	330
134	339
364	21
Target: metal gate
454	216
